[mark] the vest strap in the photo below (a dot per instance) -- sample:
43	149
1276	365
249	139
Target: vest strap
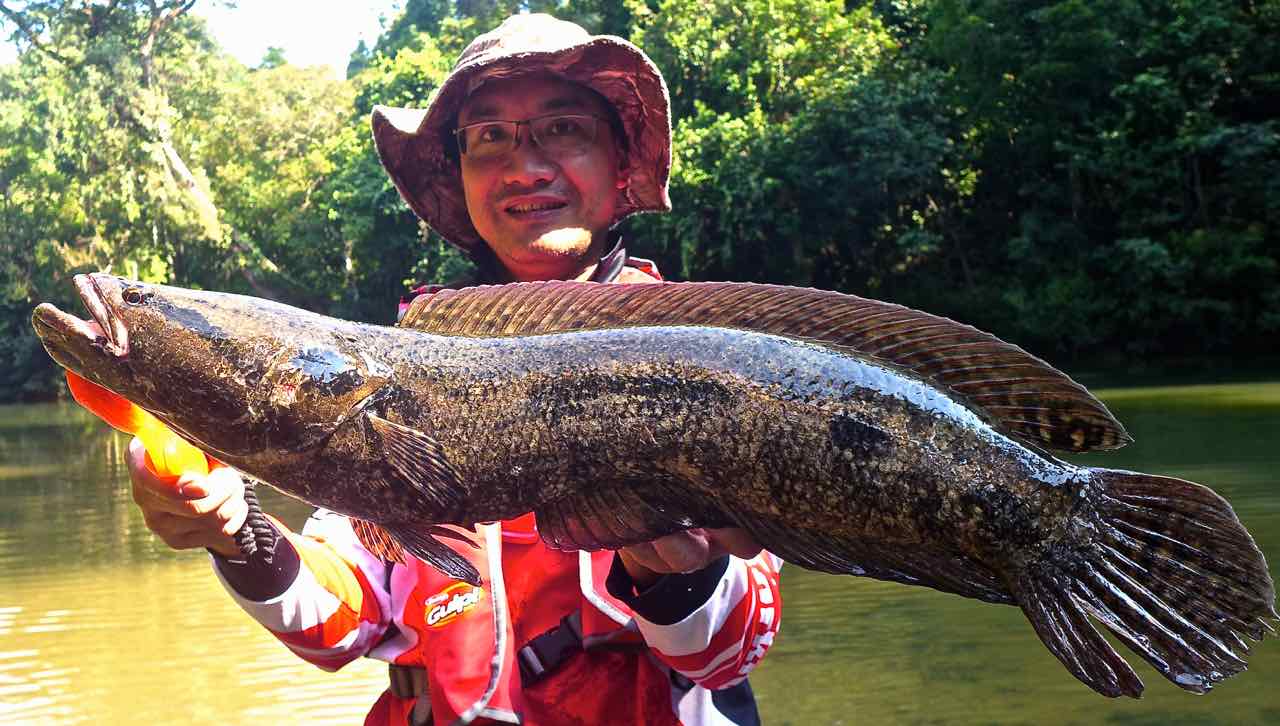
547	652
407	681
410	682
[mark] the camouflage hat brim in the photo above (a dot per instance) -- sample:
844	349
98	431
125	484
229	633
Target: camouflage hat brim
412	143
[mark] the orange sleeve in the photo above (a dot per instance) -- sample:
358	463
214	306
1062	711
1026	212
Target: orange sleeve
336	607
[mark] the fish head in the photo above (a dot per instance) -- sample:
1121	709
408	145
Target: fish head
240	377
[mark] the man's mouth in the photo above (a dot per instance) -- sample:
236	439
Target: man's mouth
520	208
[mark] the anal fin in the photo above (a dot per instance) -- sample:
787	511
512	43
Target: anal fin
378	541
815	550
396	543
617	514
1066	631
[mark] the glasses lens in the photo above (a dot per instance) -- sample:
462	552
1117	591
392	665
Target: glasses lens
564	133
489	139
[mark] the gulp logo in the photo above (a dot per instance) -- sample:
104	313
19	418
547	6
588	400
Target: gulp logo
451	603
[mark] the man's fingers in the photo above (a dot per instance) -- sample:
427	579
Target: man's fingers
232	514
644	555
210	493
182	533
192	496
177	532
690	550
193	510
736	541
685	551
142	477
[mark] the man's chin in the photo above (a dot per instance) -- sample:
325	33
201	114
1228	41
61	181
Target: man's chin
562	241
554	254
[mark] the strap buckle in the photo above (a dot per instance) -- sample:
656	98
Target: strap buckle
545	653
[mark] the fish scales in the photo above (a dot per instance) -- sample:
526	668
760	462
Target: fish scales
846	435
537	420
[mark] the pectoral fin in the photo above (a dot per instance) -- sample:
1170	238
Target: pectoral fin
420	462
395	543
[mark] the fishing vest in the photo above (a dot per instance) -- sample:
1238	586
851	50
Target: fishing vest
465	631
465	634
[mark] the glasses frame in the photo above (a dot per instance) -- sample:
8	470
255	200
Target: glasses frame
518	137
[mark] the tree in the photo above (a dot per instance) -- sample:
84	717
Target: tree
123	131
386	246
805	152
104	182
273	58
1126	168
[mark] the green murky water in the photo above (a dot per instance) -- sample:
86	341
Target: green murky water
101	623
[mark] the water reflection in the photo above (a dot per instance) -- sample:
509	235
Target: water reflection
100	622
156	643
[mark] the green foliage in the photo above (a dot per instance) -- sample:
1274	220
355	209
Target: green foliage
266	148
88	178
273	58
803	153
1129	145
418	18
388	248
734	57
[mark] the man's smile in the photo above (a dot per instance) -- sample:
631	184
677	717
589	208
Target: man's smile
541	211
525	207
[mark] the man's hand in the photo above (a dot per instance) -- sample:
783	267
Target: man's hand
686	551
190	511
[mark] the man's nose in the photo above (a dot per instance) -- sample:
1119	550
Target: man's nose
528	164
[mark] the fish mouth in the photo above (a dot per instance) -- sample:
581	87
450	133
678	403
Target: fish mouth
104	331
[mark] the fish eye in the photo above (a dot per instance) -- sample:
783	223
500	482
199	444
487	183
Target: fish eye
135	295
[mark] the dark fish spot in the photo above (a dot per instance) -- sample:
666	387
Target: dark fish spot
329	369
191	319
849	434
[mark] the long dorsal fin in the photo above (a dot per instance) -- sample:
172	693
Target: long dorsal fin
1017	392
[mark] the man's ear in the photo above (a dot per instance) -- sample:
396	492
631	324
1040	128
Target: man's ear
624	170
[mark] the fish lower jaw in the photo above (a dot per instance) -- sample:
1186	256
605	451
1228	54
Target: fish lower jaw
52	323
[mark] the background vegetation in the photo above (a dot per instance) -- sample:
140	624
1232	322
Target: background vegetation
1096	181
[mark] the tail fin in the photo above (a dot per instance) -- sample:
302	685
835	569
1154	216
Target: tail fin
1169	569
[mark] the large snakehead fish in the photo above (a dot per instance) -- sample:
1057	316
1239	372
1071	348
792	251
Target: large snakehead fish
847	435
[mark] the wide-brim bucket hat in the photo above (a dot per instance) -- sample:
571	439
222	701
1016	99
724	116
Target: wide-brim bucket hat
417	146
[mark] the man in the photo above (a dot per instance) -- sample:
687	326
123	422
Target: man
539	142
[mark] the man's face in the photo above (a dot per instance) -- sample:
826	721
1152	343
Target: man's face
540	211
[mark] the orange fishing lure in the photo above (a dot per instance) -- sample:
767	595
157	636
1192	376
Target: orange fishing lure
167	454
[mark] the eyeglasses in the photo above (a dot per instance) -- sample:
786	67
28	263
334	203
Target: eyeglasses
557	134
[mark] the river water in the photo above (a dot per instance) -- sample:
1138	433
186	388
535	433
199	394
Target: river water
100	623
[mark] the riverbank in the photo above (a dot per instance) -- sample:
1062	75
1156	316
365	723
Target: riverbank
1128	372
